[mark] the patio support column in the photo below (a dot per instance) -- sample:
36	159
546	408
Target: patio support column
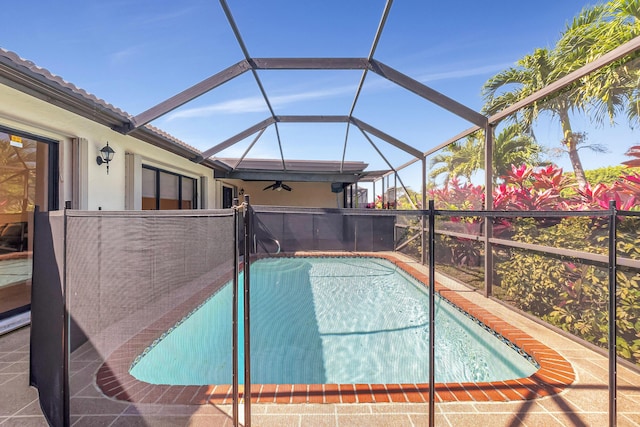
613	332
357	204
383	190
395	190
351	196
488	206
374	193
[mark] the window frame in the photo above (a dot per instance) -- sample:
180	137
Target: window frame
157	171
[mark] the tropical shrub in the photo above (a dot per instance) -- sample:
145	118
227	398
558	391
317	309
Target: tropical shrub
573	296
570	295
607	175
457	195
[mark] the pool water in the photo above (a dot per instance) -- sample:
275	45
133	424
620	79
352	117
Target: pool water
334	321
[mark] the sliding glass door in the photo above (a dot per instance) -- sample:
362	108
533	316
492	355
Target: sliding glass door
27	165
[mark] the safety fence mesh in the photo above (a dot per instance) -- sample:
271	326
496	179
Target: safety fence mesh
133	312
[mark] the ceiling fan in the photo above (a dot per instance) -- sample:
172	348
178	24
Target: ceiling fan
278	186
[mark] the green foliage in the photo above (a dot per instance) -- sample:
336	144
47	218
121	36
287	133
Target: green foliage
458	252
406	200
461	158
573	296
529	287
514	145
606	175
627	237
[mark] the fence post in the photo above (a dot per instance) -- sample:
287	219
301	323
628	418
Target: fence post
613	259
236	261
423	225
432	312
66	387
247	312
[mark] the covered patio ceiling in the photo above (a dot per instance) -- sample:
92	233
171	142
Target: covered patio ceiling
296	170
292	169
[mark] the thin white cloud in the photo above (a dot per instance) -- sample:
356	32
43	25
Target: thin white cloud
257	104
163	17
464	72
282	100
236	106
122	55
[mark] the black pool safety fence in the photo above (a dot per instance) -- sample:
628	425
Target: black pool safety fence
109	287
309	229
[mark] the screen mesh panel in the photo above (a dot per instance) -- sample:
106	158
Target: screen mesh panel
149	304
628	302
323	230
135	283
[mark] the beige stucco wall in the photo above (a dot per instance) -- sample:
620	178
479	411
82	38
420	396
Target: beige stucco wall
307	194
24	113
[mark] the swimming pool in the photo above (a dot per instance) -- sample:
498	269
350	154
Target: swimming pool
113	377
332	321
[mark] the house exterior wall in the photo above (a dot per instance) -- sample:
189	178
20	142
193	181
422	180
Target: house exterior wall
28	114
303	194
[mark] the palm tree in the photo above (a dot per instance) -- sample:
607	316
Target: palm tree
531	74
512	146
461	158
595	31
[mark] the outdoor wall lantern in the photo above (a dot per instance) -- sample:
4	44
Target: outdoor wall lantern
106	155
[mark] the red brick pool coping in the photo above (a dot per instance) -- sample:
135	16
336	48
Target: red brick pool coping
554	375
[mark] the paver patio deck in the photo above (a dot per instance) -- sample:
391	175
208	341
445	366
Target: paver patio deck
583	403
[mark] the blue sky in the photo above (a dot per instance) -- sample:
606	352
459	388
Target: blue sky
135	54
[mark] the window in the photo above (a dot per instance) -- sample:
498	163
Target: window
188	193
227	197
169	191
162	190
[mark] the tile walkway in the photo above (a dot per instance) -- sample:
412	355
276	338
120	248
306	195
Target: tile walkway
18	402
583	403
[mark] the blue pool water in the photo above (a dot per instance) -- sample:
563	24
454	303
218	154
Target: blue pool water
331	320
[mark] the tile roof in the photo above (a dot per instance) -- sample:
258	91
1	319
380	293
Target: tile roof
30	69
